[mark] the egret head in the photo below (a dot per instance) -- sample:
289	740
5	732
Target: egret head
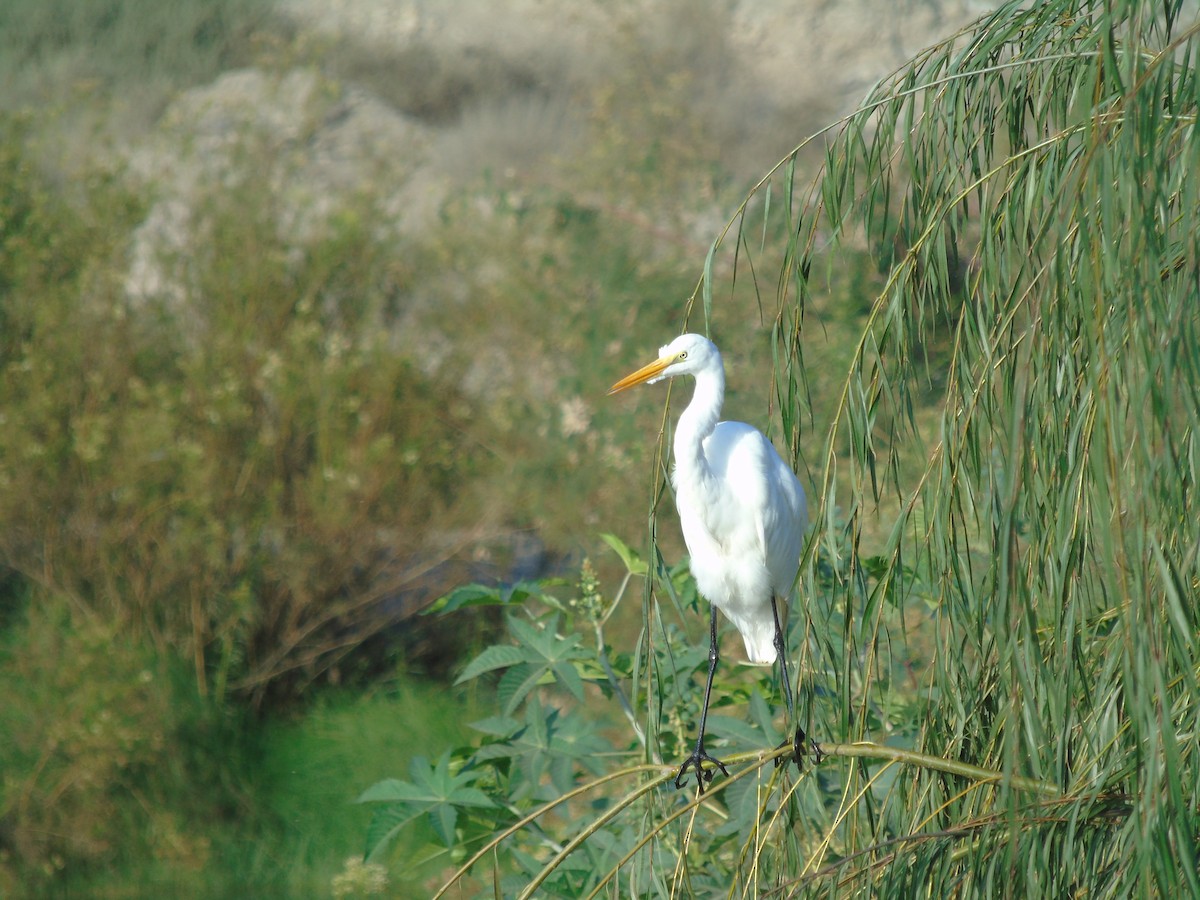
686	355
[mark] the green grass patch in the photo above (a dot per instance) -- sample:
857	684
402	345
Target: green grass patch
119	781
314	766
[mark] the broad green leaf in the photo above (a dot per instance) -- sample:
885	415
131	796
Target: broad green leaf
567	675
741	733
497	656
387	822
466	596
518	681
392	790
434	790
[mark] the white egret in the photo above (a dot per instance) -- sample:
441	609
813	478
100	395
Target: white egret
743	514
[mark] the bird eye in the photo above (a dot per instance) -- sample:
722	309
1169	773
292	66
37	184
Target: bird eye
682	354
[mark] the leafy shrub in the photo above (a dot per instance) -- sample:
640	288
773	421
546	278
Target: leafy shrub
90	718
1044	744
580	755
242	479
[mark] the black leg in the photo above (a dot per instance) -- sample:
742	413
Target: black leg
781	654
698	756
799	736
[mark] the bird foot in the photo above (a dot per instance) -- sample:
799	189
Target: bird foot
703	776
799	751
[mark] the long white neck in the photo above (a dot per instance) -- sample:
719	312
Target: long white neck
698	420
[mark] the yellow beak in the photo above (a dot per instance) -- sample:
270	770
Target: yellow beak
645	373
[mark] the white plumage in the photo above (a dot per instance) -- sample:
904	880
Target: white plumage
742	509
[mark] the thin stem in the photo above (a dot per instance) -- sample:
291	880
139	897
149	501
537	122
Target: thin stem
870	750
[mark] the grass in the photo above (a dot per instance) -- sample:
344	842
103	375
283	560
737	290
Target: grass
121	781
314	766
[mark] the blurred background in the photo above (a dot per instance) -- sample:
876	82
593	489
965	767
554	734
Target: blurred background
307	314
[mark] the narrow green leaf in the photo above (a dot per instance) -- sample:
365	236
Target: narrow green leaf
706	293
634	564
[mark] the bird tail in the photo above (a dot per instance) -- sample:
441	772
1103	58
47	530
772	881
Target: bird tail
759	638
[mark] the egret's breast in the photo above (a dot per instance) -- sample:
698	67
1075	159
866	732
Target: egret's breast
743	520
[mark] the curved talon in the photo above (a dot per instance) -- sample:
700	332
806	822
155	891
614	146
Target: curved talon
798	751
703	776
795	756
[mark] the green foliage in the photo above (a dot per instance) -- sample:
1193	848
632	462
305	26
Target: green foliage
116	774
539	654
238	476
1030	189
91	718
238	473
296	780
999	649
433	791
998	641
232	478
563	799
